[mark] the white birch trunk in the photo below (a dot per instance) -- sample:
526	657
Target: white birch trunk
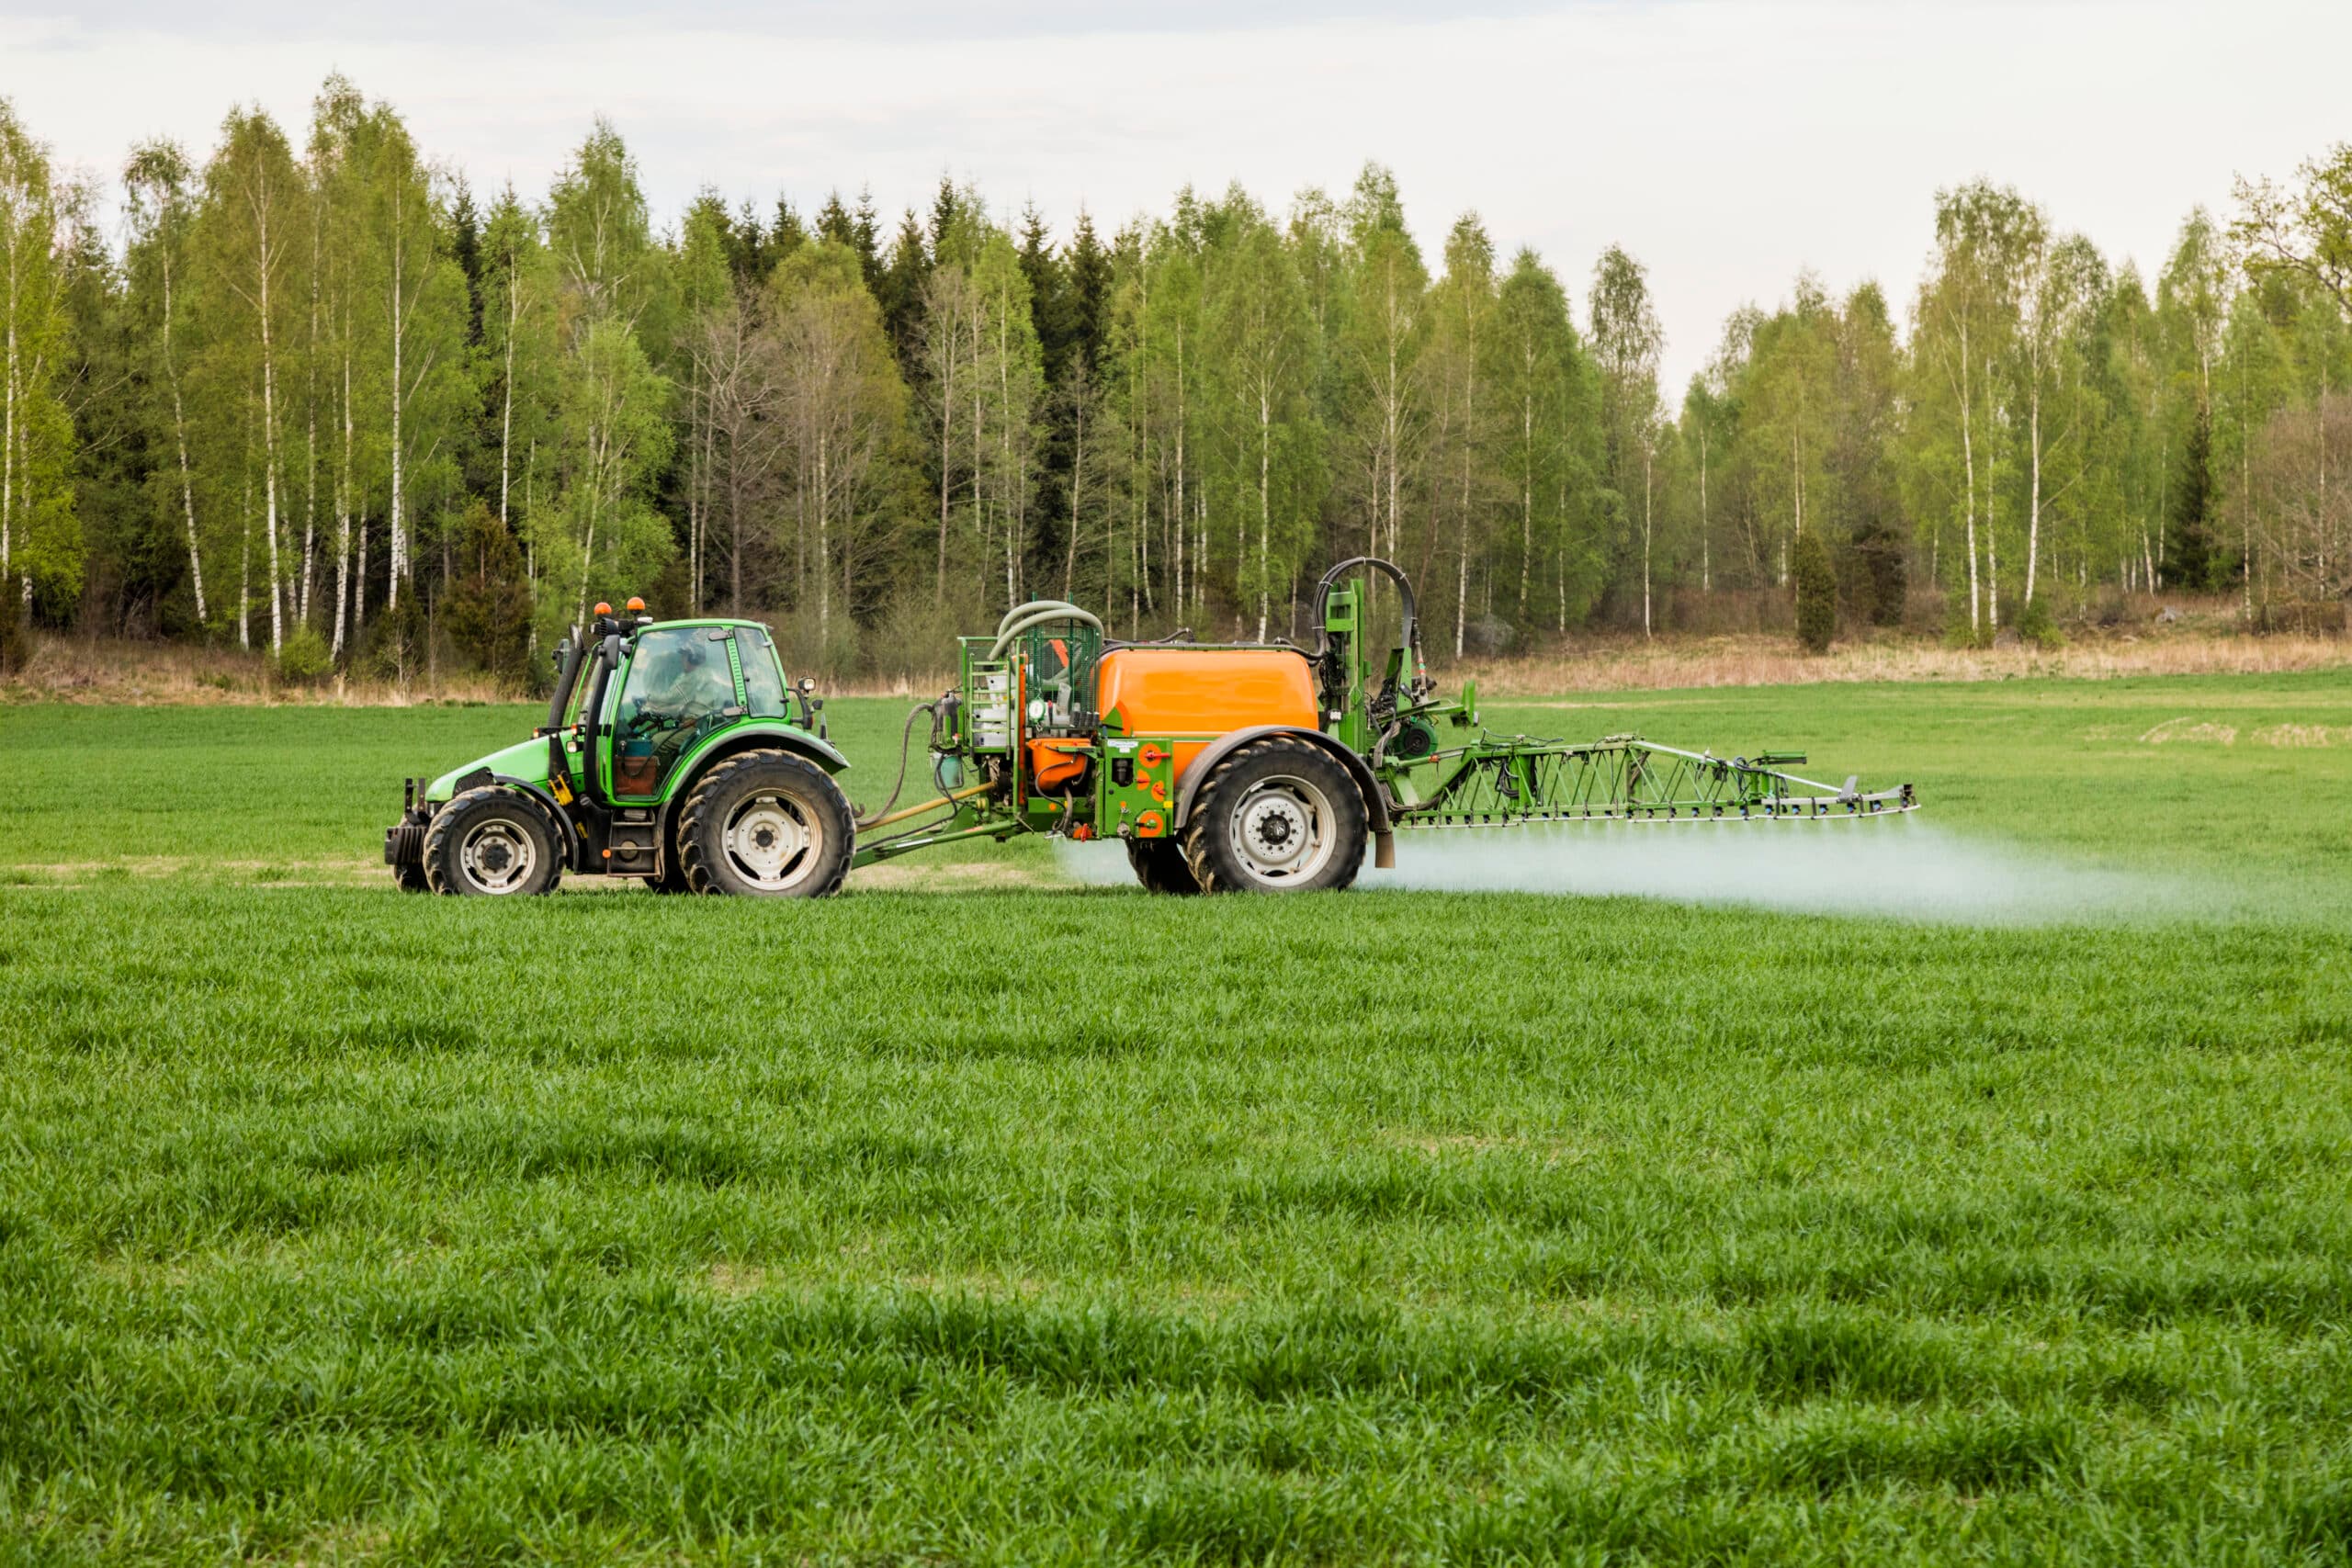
399	517
1265	504
2033	491
269	430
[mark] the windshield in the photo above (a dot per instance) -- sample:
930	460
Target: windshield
680	686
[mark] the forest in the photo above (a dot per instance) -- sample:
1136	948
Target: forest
310	392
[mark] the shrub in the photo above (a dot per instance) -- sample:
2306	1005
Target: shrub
303	658
16	643
396	639
487	606
2037	626
1882	581
1817	583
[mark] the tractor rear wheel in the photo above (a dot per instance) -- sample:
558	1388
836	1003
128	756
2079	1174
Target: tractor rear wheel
1160	866
492	841
1279	816
765	823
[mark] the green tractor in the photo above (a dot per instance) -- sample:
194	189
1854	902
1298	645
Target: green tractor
672	752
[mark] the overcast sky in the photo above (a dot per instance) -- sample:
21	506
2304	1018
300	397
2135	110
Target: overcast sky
1727	145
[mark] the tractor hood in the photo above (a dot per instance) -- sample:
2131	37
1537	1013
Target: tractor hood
525	761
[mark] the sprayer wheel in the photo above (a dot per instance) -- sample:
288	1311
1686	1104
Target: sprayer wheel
1279	816
765	823
1160	866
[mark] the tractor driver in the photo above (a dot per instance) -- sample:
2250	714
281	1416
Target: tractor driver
681	689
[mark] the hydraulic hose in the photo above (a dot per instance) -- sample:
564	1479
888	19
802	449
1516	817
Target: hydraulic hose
906	741
1411	630
1037	616
1035	604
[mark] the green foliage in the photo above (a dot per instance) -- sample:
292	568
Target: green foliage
597	534
15	636
1880	581
1075	416
41	541
486	605
397	648
1264	456
305	658
2037	626
2193	559
1816	591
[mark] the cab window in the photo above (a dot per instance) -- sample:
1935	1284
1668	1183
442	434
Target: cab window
680	686
762	681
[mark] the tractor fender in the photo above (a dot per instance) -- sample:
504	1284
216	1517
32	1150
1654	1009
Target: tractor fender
757	737
1375	800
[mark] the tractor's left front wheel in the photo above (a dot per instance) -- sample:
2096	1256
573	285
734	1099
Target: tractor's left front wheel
492	841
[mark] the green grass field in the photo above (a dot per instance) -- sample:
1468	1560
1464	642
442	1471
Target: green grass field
979	1216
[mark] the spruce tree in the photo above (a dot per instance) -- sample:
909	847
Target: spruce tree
465	244
833	222
866	238
1086	271
1816	585
785	235
2188	550
900	294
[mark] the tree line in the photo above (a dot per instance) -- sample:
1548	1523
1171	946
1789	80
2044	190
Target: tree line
317	397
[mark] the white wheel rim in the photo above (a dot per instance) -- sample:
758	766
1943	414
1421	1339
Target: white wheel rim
1283	832
772	841
498	856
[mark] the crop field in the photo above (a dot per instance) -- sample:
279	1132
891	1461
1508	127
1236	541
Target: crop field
1984	1192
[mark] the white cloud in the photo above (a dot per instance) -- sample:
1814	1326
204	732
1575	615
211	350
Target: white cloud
1725	144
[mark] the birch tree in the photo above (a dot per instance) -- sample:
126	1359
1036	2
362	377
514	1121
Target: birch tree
517	359
251	239
843	410
157	213
1261	345
421	295
40	543
1461	363
1383	412
1547	411
1626	340
597	535
1965	324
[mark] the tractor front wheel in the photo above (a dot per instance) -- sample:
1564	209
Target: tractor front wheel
1279	816
1160	866
766	823
492	841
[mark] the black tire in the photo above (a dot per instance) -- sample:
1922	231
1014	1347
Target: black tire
806	820
1279	816
492	840
1160	866
410	879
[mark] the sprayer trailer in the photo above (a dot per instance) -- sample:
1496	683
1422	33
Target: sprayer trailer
677	752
